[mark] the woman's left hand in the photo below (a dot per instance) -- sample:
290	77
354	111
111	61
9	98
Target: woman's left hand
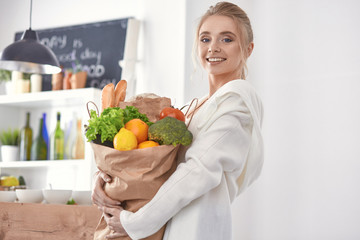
112	218
98	195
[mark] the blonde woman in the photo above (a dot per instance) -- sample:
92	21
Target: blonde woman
226	155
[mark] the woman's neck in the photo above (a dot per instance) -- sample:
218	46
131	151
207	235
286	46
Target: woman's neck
216	82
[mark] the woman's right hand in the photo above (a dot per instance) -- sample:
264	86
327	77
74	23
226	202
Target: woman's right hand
98	195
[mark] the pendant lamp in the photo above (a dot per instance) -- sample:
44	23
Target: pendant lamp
29	55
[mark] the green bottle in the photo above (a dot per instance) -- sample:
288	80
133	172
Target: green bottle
26	140
39	147
57	141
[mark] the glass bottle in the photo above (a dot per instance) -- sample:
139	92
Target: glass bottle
78	151
57	141
39	149
45	133
26	140
70	137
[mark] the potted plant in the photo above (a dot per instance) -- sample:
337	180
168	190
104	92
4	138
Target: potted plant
78	76
9	145
69	78
5	83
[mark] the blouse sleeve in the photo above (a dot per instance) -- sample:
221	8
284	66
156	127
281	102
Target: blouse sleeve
222	147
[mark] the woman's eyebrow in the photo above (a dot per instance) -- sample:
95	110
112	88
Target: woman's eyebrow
204	33
228	33
221	33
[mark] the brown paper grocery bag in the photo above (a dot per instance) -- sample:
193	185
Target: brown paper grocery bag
137	175
148	104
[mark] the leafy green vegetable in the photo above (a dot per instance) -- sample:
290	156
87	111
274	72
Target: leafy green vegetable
131	112
106	125
111	120
71	201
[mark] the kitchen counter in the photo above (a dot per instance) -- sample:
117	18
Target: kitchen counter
47	221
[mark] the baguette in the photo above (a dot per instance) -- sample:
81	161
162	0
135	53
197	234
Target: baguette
107	96
120	92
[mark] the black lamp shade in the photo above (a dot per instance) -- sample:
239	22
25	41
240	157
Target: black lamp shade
30	56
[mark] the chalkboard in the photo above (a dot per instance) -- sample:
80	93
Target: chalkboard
95	48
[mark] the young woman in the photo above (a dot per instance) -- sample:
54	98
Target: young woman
226	155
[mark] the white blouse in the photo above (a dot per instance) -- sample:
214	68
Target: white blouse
225	157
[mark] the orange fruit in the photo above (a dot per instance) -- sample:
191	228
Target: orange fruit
125	140
139	128
147	144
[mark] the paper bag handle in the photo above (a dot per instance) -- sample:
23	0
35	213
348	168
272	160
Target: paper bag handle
187	111
87	107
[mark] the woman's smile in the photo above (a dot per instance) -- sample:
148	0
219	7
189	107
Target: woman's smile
213	60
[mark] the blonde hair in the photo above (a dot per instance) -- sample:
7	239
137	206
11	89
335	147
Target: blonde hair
242	21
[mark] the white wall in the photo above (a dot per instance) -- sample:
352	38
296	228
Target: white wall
305	66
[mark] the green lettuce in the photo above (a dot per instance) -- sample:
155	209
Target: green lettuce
111	120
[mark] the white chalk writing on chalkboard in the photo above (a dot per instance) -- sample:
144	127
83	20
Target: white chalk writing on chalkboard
88	54
54	41
77	43
95	48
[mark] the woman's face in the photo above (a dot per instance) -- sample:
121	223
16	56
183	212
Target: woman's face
219	49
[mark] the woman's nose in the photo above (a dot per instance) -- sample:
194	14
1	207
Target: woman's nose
213	48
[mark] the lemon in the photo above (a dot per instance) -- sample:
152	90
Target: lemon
125	140
9	181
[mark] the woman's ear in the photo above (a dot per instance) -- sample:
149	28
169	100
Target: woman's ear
250	49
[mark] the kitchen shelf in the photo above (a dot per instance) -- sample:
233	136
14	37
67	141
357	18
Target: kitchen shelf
69	173
43	163
50	98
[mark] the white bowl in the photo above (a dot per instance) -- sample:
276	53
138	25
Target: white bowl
29	195
7	196
56	196
82	197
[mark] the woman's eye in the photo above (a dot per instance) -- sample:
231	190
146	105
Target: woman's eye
204	40
227	40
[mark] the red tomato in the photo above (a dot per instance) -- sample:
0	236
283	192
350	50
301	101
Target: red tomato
172	112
